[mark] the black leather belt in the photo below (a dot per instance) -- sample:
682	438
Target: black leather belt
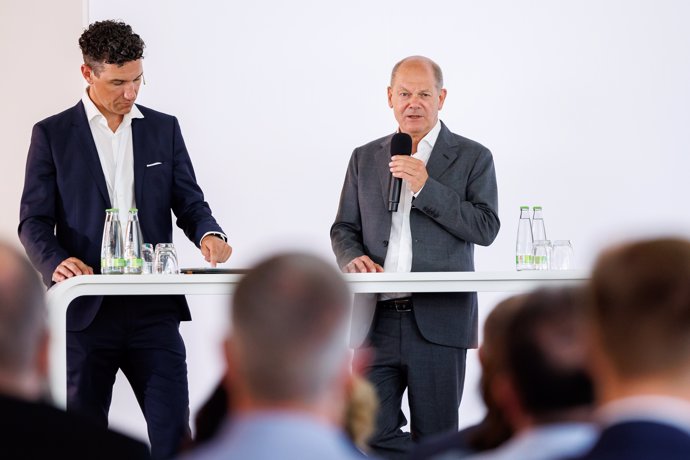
404	304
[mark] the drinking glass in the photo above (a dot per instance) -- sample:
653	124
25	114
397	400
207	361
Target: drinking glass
147	258
165	259
562	255
542	254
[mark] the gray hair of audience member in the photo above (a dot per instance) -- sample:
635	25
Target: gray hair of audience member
640	306
23	326
289	320
547	353
438	74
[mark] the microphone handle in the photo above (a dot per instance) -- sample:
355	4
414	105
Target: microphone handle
394	194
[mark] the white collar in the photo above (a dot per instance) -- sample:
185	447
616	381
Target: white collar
92	111
432	135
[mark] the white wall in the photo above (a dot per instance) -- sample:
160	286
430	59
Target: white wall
585	106
40	76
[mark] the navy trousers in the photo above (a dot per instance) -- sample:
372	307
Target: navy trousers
139	335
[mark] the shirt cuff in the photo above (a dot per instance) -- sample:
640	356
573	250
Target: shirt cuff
415	195
218	234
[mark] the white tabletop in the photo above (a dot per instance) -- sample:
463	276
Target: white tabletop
60	295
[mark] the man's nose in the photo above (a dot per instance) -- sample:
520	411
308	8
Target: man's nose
131	92
415	102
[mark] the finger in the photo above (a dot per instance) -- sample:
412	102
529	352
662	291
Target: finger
61	274
357	266
379	268
369	265
72	267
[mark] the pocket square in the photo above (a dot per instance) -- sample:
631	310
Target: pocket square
154	164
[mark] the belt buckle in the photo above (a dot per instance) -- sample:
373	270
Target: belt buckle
402	305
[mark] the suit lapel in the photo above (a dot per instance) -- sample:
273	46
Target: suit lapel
90	154
139	152
443	154
382	159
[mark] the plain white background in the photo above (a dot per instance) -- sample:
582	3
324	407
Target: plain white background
585	106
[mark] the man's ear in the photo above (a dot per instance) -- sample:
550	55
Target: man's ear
87	73
362	359
43	356
230	363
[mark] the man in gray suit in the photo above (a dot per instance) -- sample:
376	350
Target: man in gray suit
448	203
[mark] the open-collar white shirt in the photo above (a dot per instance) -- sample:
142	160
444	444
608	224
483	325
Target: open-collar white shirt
116	154
399	254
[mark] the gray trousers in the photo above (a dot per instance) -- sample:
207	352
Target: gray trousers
433	375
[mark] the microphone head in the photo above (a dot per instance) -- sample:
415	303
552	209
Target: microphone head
401	144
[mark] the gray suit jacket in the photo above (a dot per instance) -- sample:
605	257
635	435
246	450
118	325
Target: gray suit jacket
456	209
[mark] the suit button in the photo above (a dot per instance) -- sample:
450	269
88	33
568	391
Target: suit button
385	243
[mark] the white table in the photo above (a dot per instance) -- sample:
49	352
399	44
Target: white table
60	295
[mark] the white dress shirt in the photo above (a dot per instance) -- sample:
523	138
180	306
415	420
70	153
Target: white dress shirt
399	254
116	153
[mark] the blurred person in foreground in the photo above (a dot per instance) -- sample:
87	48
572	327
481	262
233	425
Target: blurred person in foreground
448	203
359	419
493	429
546	394
30	427
108	152
640	315
288	365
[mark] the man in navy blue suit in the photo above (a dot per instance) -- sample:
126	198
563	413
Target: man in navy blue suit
640	297
107	152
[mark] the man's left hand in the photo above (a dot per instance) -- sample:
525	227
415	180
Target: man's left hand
410	169
215	250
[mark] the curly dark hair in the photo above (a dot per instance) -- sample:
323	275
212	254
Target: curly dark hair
110	42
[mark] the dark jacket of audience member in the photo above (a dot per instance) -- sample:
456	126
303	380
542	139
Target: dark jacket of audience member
640	316
30	427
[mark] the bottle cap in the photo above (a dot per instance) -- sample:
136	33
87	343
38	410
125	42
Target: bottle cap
536	208
112	210
524	207
133	210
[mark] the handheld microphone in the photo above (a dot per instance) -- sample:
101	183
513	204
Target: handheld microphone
401	144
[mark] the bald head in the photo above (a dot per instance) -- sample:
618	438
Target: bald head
423	62
289	319
22	313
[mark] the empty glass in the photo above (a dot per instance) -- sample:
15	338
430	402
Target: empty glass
165	259
542	254
562	255
147	258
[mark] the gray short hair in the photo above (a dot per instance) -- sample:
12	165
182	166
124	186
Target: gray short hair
289	316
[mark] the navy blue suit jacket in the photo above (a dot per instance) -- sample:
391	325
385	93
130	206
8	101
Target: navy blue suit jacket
640	440
65	196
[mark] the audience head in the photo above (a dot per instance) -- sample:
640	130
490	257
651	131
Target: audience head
494	429
640	309
23	327
288	343
547	355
